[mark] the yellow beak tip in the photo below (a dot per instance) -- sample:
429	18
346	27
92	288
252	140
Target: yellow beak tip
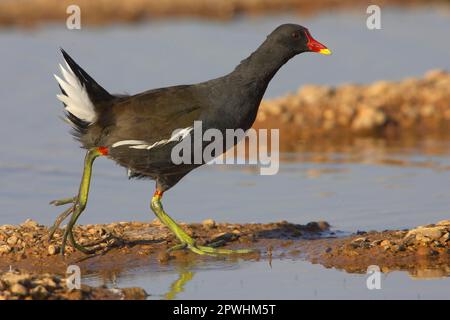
325	51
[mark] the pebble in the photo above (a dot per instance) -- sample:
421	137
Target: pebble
316	226
12	240
30	223
386	244
134	293
52	249
376	242
426	233
18	289
209	223
12	278
443	223
39	292
5	249
49	283
362	239
163	257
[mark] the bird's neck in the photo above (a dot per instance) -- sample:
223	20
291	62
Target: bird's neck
262	64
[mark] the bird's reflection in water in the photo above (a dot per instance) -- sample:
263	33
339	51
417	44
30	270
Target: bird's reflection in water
184	276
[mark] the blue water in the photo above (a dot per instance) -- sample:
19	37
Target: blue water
39	161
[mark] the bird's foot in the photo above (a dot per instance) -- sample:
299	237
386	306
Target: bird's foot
63	215
68	233
64	201
88	248
209	250
186	241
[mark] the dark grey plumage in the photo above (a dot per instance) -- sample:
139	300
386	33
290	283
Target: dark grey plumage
228	102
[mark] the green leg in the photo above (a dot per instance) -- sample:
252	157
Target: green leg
178	285
79	202
186	240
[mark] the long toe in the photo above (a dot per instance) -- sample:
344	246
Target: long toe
219	251
64	201
211	251
58	222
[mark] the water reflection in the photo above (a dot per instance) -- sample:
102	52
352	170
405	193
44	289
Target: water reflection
284	278
184	276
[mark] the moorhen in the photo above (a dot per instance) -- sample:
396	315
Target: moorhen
137	131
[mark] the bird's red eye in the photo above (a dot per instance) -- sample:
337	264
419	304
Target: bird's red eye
295	34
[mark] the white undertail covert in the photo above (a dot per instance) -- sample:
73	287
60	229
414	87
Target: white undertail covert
76	98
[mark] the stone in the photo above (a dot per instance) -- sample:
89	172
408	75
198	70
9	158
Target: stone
5	249
386	244
316	226
312	94
134	293
368	118
423	239
376	242
443	223
30	223
12	240
163	257
39	293
49	283
12	278
52	249
18	289
423	233
379	88
209	223
434	74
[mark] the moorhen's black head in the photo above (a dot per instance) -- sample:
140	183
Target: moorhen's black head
285	42
294	39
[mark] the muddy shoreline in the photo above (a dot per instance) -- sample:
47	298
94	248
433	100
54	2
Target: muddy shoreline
422	252
30	13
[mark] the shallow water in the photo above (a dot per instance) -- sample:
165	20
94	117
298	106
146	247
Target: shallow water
283	279
39	161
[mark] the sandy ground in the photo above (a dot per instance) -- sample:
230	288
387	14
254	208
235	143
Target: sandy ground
423	251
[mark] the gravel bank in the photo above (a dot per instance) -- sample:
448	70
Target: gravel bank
423	251
17	285
102	12
413	107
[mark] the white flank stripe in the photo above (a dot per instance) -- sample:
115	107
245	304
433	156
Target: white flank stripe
127	142
76	99
143	145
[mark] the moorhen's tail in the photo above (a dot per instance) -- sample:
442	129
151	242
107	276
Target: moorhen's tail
81	95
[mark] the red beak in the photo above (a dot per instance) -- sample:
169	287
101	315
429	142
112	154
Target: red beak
315	45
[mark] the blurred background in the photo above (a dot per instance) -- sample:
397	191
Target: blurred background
364	132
